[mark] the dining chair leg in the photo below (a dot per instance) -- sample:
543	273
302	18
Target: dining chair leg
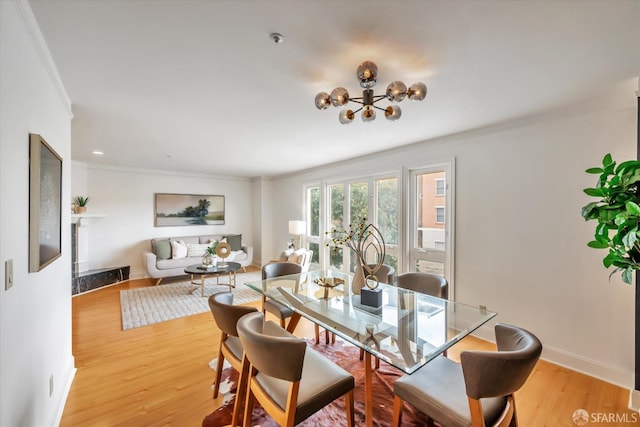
397	411
317	331
282	322
241	392
361	354
348	403
216	387
248	405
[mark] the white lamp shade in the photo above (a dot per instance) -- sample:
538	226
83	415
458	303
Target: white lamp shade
297	227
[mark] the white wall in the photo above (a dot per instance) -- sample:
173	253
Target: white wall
35	314
126	198
520	240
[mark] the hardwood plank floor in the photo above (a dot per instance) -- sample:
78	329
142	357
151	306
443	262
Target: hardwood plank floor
158	375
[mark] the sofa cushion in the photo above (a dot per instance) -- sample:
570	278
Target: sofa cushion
162	248
235	241
178	249
196	249
209	238
185	239
169	264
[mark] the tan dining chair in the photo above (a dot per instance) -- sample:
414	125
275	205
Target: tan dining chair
385	274
289	380
479	391
226	316
277	269
426	283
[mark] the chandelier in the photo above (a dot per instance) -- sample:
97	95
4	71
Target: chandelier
367	74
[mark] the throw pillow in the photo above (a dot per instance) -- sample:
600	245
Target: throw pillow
162	248
235	241
178	249
294	258
196	249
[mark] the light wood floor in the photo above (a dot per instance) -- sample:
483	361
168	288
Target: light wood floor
159	375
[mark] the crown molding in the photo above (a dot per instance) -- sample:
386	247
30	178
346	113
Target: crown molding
42	50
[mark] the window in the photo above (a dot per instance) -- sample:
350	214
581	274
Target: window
440	218
440	187
438	246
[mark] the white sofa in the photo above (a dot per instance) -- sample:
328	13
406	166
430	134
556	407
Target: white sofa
162	266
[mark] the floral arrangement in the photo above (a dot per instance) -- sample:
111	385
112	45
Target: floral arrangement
360	237
351	237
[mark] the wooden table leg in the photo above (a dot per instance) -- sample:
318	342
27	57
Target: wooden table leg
368	392
293	322
202	285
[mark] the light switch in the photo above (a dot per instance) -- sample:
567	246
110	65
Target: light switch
8	274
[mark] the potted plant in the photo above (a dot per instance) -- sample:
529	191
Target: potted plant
80	204
617	213
209	253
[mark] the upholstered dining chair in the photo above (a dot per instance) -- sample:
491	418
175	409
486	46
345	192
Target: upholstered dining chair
479	391
289	380
426	283
385	274
226	316
277	269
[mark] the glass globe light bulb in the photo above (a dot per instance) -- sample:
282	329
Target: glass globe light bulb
396	91
346	116
392	112
367	73
417	91
339	97
323	100
368	113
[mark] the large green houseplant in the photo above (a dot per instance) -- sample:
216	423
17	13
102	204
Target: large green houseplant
617	213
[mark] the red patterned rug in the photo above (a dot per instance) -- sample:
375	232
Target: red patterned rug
347	356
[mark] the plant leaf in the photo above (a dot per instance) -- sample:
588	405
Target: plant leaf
627	275
595	192
607	160
632	208
594	170
597	245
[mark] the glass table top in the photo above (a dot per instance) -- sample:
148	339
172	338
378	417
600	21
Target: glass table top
407	330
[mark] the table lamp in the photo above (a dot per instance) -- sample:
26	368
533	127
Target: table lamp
296	228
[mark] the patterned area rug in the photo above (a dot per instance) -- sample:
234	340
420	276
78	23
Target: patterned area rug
347	356
145	306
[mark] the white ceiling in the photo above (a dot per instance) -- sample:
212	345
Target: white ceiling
199	86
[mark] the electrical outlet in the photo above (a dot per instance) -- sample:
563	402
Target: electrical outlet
8	274
51	385
483	308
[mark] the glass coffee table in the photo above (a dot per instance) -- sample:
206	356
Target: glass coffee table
228	268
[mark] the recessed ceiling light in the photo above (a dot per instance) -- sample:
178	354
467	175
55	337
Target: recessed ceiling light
276	37
97	152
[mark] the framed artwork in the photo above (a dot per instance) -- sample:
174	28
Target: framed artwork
188	209
45	204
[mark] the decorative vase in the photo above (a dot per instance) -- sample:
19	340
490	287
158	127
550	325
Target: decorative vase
358	280
81	209
207	260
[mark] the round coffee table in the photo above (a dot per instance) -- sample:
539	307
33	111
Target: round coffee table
229	268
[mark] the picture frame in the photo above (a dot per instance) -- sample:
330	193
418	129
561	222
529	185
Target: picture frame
171	210
45	204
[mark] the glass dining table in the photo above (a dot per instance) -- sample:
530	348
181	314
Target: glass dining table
407	330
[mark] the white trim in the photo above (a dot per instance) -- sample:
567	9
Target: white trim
141	171
444	187
44	55
70	375
575	362
634	400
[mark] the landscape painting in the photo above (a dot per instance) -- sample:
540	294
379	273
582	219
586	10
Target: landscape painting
188	209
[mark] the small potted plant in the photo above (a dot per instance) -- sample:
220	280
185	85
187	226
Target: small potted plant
80	204
208	256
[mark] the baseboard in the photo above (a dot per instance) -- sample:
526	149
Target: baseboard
70	375
634	400
593	368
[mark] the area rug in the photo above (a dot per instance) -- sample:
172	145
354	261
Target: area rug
347	356
154	304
